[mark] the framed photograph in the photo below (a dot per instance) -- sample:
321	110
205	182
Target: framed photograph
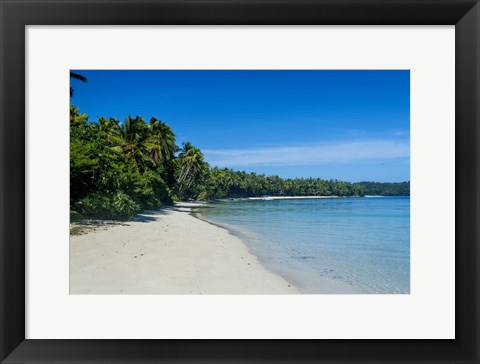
232	181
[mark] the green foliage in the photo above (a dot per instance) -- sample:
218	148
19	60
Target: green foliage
385	189
191	173
95	205
124	206
75	216
226	183
116	206
113	172
119	169
149	189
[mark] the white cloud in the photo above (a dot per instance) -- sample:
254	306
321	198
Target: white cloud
339	152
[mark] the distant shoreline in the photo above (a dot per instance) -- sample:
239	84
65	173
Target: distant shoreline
263	198
293	197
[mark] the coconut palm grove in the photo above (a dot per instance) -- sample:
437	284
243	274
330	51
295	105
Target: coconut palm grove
120	168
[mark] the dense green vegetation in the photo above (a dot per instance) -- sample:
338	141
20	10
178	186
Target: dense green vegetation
118	169
224	183
385	189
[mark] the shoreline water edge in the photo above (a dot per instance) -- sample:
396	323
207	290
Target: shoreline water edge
298	278
322	245
168	251
188	249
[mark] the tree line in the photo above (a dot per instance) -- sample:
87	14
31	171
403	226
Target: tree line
385	189
118	169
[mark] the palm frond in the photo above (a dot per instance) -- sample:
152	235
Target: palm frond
77	76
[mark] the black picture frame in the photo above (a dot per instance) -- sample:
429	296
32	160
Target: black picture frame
16	14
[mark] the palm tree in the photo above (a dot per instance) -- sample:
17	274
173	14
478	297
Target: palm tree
77	119
76	76
191	165
133	141
108	130
163	140
108	126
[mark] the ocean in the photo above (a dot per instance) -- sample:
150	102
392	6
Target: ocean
325	246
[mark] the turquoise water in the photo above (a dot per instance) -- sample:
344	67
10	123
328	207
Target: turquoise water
343	245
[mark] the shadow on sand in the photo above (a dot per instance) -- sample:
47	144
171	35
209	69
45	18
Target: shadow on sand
154	215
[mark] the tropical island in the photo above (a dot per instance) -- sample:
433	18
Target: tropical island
118	169
152	213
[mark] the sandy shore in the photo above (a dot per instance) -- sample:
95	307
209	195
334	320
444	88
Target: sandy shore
167	251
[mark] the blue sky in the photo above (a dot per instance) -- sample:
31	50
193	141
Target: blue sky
348	125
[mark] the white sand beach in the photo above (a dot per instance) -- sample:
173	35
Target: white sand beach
168	252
